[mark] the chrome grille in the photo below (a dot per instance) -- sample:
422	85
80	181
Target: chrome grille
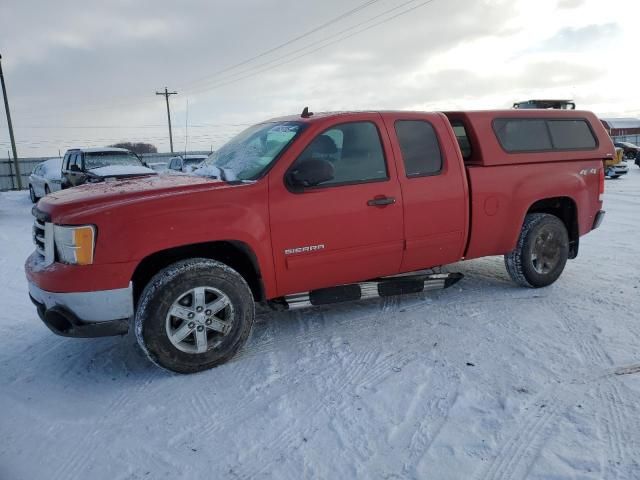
43	240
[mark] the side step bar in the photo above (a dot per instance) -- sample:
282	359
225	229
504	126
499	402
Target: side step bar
383	287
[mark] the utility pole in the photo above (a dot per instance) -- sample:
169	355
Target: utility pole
166	94
10	125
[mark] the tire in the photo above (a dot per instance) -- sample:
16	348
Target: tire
541	253
47	190
32	195
176	289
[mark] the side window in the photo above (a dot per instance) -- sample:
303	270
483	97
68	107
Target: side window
571	134
420	149
65	161
354	149
522	135
74	159
463	139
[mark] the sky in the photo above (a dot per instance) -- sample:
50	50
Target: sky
85	73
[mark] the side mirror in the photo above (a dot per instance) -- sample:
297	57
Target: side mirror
310	173
74	168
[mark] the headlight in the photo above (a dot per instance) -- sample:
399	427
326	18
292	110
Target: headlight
75	245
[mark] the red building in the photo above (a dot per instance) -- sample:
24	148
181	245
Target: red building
623	129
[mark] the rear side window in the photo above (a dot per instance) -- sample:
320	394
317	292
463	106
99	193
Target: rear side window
420	149
522	135
535	135
571	134
463	139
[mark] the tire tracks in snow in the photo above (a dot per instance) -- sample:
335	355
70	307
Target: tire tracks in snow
518	452
87	449
331	397
267	348
432	419
616	418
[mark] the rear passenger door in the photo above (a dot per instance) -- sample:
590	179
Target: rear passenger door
434	189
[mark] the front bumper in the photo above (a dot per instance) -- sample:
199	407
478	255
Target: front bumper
84	314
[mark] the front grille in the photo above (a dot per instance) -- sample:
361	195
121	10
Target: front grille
43	239
39	232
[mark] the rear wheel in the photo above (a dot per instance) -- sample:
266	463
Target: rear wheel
47	191
194	315
541	253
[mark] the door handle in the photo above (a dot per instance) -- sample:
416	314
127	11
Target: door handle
381	201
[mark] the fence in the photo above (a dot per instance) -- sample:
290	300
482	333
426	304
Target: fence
627	138
8	180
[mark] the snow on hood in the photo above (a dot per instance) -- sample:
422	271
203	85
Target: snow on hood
109	194
117	170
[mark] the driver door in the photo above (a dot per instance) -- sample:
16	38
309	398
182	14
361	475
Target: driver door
346	229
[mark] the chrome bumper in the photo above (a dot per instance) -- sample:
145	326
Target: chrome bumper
89	307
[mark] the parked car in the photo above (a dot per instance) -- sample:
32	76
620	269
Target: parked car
638	159
314	209
92	165
616	167
157	166
630	150
45	178
186	163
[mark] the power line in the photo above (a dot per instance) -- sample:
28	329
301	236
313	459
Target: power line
305	47
286	43
313	50
129	101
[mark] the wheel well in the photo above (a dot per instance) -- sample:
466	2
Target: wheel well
565	209
236	255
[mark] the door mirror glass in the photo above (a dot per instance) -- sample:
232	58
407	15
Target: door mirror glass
310	173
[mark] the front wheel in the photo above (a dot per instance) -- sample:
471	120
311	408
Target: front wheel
194	315
541	253
32	195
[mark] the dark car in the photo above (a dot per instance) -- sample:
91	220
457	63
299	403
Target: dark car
630	150
82	165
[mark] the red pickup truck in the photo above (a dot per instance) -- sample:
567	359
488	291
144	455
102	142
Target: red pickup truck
313	209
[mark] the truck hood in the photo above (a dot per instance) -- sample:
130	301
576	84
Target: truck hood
93	197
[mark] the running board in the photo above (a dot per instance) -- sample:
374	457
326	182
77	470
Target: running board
383	287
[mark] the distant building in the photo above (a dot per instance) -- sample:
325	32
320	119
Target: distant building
623	129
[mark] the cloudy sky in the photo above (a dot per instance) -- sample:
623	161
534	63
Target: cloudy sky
85	73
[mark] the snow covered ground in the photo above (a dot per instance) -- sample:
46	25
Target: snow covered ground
482	381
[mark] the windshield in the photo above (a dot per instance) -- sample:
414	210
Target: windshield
194	161
251	152
104	159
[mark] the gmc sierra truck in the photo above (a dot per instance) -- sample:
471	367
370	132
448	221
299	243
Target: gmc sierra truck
313	209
